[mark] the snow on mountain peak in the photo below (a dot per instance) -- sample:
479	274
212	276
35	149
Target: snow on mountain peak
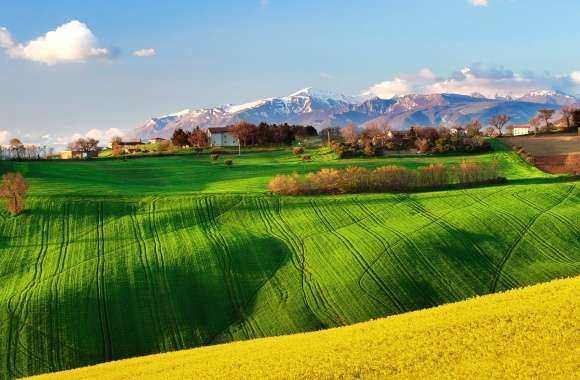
323	95
176	114
546	92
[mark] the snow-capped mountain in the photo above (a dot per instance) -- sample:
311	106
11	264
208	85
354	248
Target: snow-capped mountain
548	97
325	109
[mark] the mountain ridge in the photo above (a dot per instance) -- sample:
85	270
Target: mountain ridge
322	109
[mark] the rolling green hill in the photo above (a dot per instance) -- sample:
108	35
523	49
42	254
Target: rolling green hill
115	259
522	334
185	173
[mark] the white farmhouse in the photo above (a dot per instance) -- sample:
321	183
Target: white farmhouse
221	136
520	130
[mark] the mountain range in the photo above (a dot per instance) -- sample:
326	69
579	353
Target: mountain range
325	109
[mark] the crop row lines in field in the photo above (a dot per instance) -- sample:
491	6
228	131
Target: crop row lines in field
298	258
101	290
15	325
545	243
220	245
405	238
388	248
144	261
511	249
55	353
367	268
176	336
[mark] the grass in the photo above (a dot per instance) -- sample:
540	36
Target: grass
117	259
184	173
525	333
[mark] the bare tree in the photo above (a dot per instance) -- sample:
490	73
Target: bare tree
13	190
568	115
244	132
498	122
536	123
349	133
198	138
474	128
84	145
377	132
545	115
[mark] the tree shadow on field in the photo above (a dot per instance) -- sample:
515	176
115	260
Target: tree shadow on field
138	305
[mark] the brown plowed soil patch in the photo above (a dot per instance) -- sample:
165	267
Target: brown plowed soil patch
553	153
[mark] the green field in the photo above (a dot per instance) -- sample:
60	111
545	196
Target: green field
185	173
115	259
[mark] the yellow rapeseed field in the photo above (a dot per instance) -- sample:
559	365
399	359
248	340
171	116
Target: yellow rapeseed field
526	333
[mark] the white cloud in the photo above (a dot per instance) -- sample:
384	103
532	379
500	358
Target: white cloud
5	39
479	3
104	136
489	81
72	42
402	84
5	137
149	52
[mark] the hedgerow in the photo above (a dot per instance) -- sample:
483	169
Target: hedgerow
384	179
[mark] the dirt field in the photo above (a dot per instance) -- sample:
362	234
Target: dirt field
547	145
552	153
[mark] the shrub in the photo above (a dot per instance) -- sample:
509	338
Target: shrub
422	145
165	146
432	176
306	157
216	151
392	178
354	180
530	159
572	163
383	179
228	162
285	184
214	157
470	172
298	150
324	181
13	189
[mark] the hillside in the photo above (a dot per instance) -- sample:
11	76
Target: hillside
186	173
116	259
524	333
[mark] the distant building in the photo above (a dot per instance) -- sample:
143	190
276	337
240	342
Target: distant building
221	136
126	144
401	134
156	140
457	131
78	155
520	130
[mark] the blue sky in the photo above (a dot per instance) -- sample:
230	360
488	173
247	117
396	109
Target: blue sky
216	52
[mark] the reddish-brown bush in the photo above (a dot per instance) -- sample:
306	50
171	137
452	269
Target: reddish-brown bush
13	190
392	178
285	184
422	145
297	150
433	176
383	179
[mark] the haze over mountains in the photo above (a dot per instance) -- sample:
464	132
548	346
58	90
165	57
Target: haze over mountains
324	109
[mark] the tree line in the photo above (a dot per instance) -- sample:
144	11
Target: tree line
16	150
247	134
